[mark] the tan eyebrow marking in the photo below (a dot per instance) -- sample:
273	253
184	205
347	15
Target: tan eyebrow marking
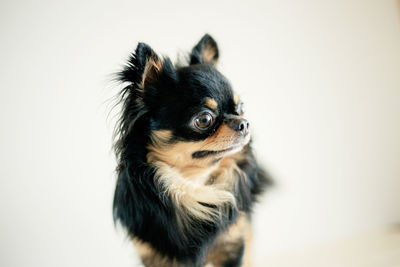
211	103
236	99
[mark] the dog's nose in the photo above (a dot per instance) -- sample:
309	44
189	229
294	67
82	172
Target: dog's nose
238	124
243	127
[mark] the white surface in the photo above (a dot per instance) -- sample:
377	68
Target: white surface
321	84
374	249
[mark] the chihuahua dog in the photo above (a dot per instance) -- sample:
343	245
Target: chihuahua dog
187	177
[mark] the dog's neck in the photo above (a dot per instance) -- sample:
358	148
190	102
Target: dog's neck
199	171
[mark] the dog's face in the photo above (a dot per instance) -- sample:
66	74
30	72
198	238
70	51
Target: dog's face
201	121
195	117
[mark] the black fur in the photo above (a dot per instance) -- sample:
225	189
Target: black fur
168	101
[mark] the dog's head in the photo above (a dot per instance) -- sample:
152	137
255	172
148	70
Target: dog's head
192	114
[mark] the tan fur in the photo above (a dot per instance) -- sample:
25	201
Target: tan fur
227	244
188	195
151	70
211	103
180	154
142	248
236	99
227	168
185	179
151	258
248	250
208	53
161	137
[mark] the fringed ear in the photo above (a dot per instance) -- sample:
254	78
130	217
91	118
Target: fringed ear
143	68
205	52
152	65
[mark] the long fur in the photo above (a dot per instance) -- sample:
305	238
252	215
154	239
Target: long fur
177	218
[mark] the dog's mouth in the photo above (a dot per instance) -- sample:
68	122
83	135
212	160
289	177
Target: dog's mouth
235	146
209	153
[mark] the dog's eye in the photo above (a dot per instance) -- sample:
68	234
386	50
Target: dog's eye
204	120
240	109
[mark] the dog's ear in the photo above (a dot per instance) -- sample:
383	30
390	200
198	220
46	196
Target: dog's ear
143	68
205	52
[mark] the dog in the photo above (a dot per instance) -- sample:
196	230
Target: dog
187	176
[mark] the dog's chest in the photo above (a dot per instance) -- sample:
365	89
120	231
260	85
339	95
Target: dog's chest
221	174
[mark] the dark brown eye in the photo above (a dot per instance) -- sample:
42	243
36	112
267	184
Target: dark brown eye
203	121
240	109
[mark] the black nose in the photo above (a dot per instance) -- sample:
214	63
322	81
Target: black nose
243	127
238	124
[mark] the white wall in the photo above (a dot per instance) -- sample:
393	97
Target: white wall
321	85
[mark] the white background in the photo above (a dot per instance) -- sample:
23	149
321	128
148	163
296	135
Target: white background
321	84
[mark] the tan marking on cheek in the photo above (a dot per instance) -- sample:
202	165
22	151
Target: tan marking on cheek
224	134
211	103
176	155
183	178
222	139
161	136
180	154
